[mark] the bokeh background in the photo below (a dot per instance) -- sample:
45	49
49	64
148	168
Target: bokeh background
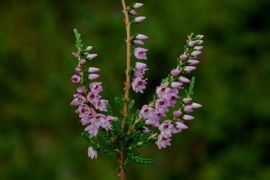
40	134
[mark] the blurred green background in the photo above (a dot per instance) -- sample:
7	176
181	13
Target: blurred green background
40	134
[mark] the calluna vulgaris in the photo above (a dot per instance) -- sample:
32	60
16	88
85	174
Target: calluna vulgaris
120	135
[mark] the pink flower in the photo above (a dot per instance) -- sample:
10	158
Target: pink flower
75	79
163	142
140	65
138	85
82	61
179	126
102	105
78	70
166	128
84	110
162	91
140	53
93	98
74	55
78	100
183	57
148	113
92	153
96	87
188	109
193	61
92	129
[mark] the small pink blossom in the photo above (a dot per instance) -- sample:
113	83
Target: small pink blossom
141	37
175	72
93	76
188	117
93	70
140	53
138	85
75	79
92	153
78	100
139	19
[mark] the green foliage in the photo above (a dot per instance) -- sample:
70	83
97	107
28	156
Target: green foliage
190	92
138	159
79	45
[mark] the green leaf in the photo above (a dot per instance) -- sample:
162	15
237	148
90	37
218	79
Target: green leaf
119	103
131	104
191	87
139	159
79	44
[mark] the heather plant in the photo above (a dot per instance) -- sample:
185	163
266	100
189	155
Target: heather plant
120	134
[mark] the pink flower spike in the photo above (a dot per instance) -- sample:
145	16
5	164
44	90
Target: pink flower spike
92	153
175	72
140	53
138	5
138	42
133	12
93	76
75	79
91	56
184	79
188	117
188	69
141	37
139	19
93	70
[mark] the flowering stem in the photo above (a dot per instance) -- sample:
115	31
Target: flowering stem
127	82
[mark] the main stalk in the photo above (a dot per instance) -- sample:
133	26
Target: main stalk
127	23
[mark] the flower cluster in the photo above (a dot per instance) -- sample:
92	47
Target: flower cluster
167	96
91	108
140	53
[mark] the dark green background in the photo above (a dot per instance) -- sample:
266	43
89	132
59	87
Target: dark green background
40	134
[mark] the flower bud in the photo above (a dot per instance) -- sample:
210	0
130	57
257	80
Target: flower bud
133	12
140	65
93	76
196	53
198	48
188	69
187	100
183	57
188	109
91	56
141	37
176	85
188	117
193	61
184	79
138	42
93	70
80	89
192	43
78	70
82	61
175	72
89	48
196	105
177	113
74	55
75	79
138	5
139	19
199	36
